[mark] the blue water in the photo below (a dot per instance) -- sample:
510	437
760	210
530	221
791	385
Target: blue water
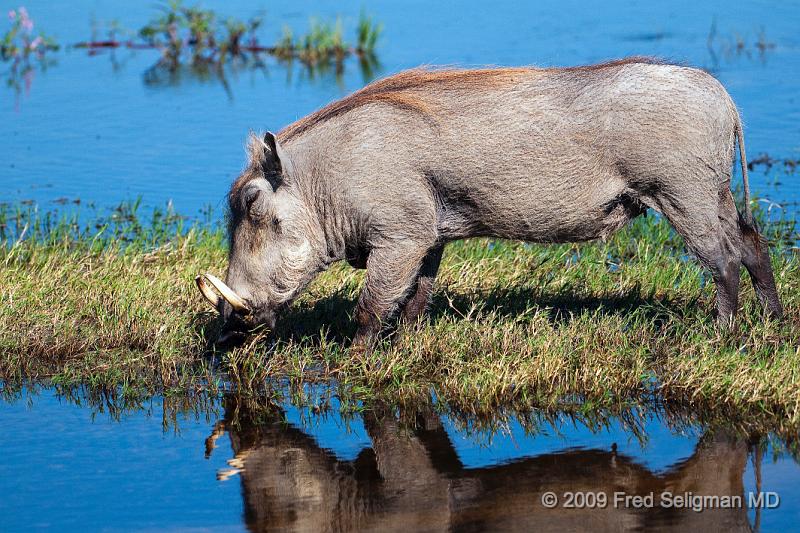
71	467
90	128
67	469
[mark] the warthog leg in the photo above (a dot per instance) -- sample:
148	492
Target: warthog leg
755	256
392	270
418	303
709	223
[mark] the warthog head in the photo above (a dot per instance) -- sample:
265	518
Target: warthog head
276	242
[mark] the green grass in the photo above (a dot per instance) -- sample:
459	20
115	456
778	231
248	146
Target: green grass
112	305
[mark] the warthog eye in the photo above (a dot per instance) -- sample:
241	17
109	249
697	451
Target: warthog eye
251	197
253	206
276	223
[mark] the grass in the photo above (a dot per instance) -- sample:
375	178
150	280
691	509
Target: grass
111	305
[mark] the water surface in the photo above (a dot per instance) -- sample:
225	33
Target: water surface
231	466
97	129
100	130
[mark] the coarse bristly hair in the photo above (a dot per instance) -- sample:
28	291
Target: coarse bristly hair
402	89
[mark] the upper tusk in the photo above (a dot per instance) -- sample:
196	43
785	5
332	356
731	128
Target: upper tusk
206	291
231	297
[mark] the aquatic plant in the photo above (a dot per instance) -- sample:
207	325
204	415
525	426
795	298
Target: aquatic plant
285	47
25	50
203	40
762	44
209	39
324	46
20	41
737	45
367	33
179	28
790	164
201	26
236	31
322	43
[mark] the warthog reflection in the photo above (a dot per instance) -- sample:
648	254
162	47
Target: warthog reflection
413	479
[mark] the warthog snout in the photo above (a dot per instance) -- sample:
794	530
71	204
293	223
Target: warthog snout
206	281
238	316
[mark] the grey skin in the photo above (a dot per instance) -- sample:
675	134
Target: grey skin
389	175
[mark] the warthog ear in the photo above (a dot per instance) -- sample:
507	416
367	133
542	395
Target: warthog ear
271	162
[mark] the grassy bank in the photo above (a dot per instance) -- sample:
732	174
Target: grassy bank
114	306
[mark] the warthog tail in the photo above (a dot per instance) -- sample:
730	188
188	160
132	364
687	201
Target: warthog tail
743	158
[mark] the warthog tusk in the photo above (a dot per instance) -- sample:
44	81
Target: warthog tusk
226	292
206	291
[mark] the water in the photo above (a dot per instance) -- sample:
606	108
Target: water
96	129
91	128
230	466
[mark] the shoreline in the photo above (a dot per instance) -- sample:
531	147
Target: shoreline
510	324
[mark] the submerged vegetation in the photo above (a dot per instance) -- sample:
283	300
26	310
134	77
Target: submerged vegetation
19	42
737	46
199	42
324	45
111	304
203	37
24	49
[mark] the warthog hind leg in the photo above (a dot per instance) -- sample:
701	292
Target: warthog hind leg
755	256
711	230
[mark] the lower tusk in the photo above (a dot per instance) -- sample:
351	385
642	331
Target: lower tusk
206	291
226	292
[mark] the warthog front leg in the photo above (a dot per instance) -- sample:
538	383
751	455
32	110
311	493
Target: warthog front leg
418	303
391	273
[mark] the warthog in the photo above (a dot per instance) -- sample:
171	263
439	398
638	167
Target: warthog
412	478
385	177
